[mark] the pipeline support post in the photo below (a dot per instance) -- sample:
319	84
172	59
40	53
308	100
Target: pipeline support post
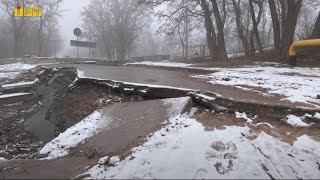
298	44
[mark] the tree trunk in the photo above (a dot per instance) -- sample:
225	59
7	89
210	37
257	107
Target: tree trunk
294	8
210	30
222	53
252	48
243	39
40	42
316	29
283	7
276	27
255	26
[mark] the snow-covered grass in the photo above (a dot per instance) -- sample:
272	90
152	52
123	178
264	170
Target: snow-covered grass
10	71
185	150
13	95
301	85
15	67
296	121
75	135
163	64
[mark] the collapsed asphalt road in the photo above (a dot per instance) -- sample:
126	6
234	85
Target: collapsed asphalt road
123	126
180	79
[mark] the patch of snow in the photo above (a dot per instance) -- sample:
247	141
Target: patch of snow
9	75
73	82
232	55
75	135
144	90
163	64
128	89
193	153
209	98
265	123
297	84
296	121
20	84
317	115
240	115
176	105
103	160
304	142
13	95
114	159
193	111
16	67
81	74
3	159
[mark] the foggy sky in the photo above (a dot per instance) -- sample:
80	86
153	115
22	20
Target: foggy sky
69	20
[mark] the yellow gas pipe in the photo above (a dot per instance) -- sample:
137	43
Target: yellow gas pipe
298	44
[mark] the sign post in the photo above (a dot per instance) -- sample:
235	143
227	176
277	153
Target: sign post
77	32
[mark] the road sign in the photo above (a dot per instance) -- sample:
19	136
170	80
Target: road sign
77	32
83	44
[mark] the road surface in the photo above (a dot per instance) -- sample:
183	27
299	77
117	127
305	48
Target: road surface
180	79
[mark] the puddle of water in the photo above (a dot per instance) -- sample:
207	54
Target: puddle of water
37	123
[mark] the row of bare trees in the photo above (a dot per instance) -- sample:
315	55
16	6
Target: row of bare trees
29	35
115	25
249	25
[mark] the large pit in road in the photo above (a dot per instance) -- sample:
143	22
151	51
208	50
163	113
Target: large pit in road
62	99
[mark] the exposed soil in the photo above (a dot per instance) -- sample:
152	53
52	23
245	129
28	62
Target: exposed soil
55	108
15	140
276	127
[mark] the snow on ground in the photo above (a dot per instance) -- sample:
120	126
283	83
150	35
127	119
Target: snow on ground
162	63
10	71
13	95
20	84
15	67
75	135
176	105
296	121
297	84
244	116
185	150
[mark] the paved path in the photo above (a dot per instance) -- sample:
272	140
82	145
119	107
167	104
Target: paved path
179	79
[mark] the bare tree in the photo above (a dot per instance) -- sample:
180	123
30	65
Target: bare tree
255	24
222	53
316	29
115	25
17	23
294	7
276	27
50	11
240	28
210	29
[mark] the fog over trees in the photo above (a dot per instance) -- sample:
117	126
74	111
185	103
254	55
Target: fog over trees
29	35
123	28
